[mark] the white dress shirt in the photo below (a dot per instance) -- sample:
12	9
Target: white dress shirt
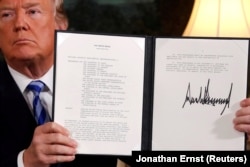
46	97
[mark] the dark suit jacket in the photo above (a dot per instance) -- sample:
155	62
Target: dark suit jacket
17	126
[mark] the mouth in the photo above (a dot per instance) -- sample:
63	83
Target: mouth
22	41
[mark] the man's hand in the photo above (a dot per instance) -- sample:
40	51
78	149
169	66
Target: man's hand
242	117
50	144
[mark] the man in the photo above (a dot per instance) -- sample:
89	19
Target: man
27	43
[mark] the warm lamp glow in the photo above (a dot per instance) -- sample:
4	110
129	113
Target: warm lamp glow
219	18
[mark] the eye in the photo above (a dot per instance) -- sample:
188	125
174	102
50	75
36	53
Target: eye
6	15
33	12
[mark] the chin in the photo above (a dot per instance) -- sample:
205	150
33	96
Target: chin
22	57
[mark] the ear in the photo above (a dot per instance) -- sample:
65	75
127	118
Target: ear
61	24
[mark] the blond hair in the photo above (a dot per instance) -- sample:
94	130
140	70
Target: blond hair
60	14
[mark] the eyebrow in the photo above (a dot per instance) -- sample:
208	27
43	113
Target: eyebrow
30	4
25	6
6	8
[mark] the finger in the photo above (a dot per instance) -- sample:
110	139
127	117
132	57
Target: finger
243	128
58	138
49	158
243	111
245	119
245	102
52	127
53	159
60	150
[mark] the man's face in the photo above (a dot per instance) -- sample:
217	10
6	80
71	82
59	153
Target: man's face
27	29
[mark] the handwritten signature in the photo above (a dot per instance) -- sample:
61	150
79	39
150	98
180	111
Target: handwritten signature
206	99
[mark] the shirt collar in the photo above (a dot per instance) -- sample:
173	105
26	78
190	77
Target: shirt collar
22	81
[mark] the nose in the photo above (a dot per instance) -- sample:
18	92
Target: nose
20	22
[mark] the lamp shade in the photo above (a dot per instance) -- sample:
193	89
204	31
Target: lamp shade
219	18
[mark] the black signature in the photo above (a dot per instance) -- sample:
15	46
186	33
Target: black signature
206	99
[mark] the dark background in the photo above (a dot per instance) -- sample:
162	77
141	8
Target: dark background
145	17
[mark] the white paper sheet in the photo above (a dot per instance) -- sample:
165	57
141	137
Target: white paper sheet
207	71
98	82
